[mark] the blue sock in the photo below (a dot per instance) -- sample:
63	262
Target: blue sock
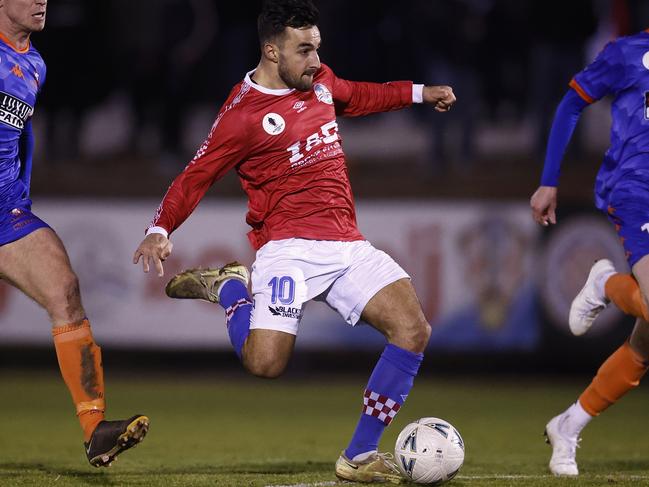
387	389
236	301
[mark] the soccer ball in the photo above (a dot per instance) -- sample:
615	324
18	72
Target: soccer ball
429	451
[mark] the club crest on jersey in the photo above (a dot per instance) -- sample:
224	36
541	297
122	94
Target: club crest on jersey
323	94
645	60
273	124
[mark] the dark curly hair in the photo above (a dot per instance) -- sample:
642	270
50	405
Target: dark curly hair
276	15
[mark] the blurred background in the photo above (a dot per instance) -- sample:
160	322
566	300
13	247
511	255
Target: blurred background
134	86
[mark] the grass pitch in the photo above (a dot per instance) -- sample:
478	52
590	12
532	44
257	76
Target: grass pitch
248	432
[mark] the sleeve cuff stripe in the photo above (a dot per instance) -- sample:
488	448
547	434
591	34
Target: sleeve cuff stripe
580	91
417	93
159	230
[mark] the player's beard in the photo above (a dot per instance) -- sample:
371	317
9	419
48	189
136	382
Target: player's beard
299	82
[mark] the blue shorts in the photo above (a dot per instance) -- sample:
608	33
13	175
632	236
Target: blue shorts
629	211
17	223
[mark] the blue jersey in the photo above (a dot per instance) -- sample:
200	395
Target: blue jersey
22	73
621	70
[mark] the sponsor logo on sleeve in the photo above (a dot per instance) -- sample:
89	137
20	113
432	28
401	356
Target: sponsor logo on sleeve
14	112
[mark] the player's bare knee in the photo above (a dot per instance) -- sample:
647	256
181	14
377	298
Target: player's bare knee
421	334
414	338
64	300
264	367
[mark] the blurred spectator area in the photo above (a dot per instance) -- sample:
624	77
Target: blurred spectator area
133	87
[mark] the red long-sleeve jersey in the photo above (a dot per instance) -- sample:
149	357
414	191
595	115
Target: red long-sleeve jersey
286	149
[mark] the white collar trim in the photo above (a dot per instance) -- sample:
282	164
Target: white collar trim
267	91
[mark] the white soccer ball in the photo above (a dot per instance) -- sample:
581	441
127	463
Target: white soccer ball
429	451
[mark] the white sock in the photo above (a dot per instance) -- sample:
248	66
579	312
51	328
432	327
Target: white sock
574	419
361	457
600	284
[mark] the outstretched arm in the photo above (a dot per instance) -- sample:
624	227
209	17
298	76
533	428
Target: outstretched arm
544	200
357	98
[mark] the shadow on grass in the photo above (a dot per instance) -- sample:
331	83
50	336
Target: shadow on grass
103	477
611	467
270	468
22	470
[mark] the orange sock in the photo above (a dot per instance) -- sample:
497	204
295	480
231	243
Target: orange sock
620	373
624	292
80	363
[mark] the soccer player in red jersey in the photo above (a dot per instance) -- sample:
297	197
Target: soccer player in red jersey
278	131
32	257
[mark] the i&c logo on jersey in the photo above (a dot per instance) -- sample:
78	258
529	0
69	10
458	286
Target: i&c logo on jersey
14	112
273	124
323	94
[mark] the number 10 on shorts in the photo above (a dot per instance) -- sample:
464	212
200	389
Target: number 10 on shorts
282	289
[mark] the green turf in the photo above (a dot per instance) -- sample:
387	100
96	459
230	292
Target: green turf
248	432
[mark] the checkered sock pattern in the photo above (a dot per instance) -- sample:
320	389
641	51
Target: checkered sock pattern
387	389
229	311
379	406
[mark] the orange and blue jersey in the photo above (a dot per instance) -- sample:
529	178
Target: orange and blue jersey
621	70
22	73
622	185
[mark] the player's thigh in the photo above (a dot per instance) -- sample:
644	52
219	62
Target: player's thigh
376	289
38	265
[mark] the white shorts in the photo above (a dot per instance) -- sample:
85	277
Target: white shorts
288	273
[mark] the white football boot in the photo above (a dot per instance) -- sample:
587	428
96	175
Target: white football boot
591	300
564	448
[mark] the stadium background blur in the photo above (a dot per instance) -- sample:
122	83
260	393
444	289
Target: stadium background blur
132	90
123	112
